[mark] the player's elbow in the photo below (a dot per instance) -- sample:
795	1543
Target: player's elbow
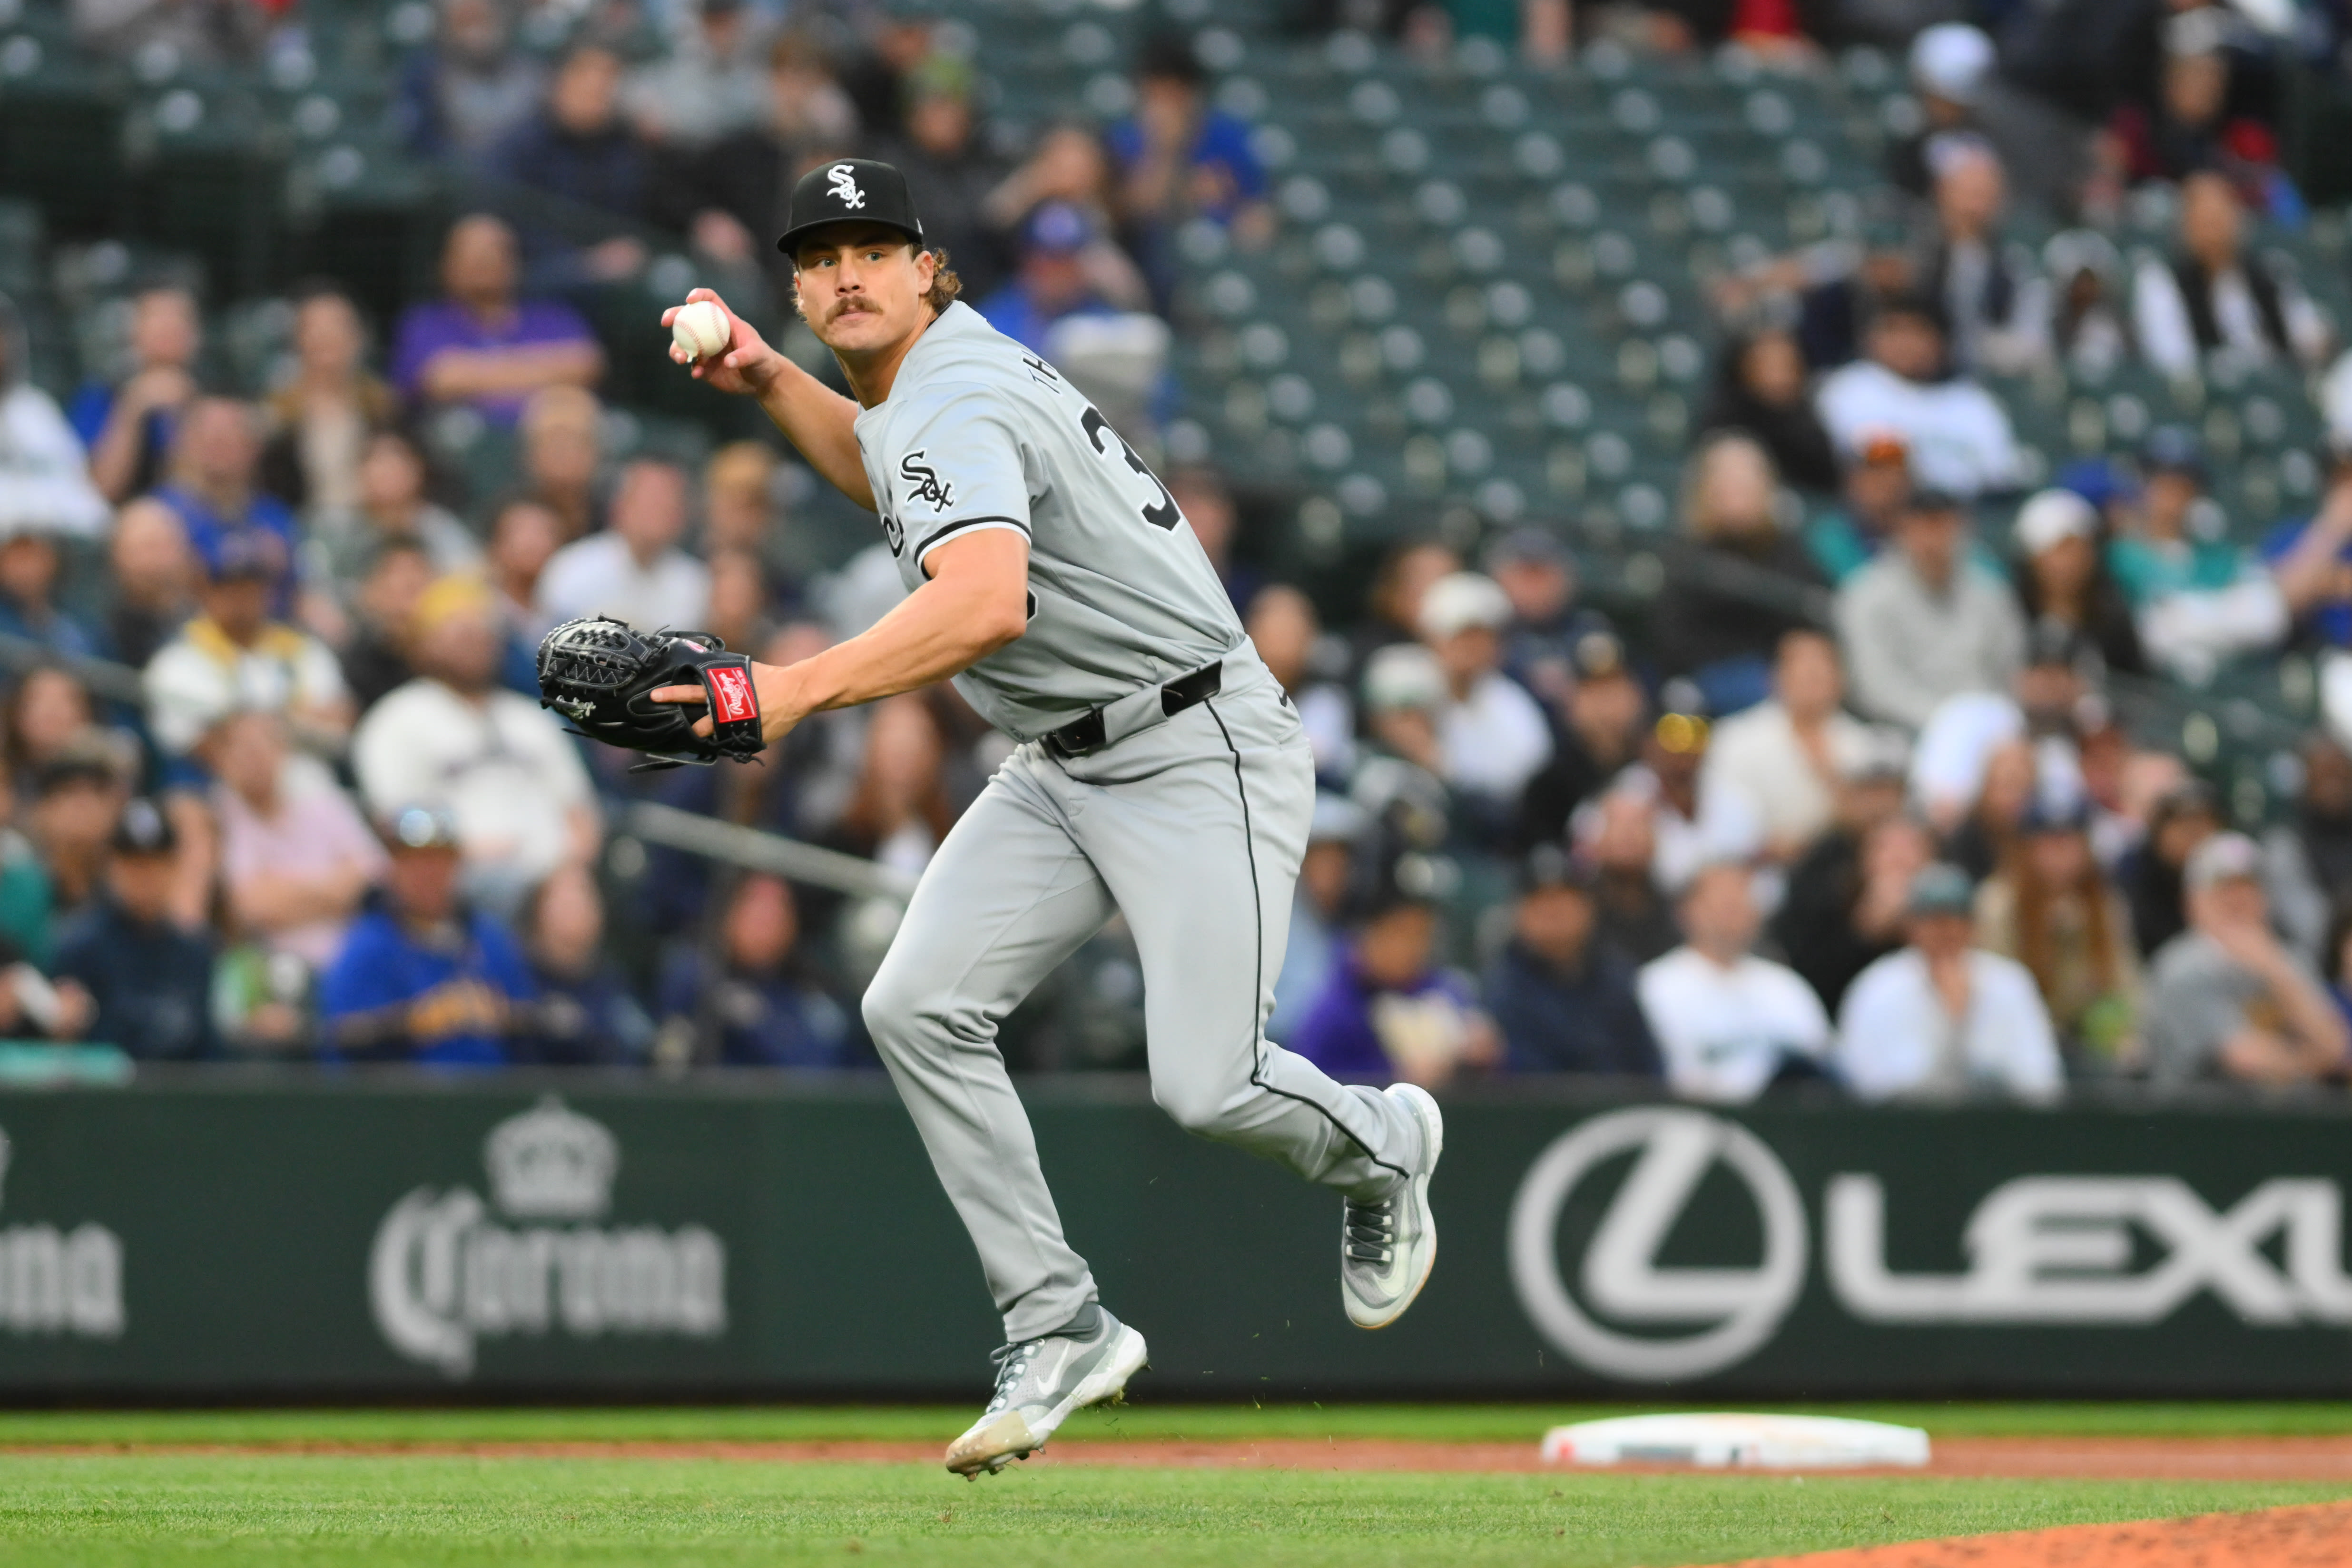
1001	620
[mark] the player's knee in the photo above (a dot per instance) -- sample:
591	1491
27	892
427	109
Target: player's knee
892	1008
1201	1109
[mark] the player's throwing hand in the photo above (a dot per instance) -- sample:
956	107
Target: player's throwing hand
748	364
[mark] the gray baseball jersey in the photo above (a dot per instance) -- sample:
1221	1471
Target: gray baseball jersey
1192	828
979	433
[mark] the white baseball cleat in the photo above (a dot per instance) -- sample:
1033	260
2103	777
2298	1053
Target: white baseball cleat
1387	1248
1038	1384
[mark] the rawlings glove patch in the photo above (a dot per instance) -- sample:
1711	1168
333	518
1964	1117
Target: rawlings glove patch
601	673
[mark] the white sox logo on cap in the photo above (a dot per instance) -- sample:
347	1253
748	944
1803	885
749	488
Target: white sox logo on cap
845	186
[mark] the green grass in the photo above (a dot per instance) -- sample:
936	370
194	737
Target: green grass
138	1506
1448	1422
369	1513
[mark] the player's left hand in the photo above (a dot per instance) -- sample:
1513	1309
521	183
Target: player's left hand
780	712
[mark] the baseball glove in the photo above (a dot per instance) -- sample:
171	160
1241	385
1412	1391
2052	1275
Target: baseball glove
600	673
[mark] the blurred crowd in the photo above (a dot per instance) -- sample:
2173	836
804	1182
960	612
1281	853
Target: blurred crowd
1844	808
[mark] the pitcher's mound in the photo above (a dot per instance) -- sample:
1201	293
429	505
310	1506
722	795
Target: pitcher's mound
2317	1535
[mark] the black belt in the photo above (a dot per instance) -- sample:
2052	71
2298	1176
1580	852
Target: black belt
1082	735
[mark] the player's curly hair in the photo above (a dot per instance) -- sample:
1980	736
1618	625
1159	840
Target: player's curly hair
945	285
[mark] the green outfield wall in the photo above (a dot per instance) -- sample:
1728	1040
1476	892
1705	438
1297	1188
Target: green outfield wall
592	1237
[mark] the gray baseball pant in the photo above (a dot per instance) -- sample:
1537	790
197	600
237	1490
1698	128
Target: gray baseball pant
1194	829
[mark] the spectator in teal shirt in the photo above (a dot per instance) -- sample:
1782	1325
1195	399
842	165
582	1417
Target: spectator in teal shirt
1843	539
1877	489
2167	551
2198	597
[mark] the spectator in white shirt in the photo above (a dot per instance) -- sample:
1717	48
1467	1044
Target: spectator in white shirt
44	485
233	657
1925	621
635	569
454	739
1697	818
1960	439
1787	753
1492	737
2042	707
2212	297
1728	1024
1942	1019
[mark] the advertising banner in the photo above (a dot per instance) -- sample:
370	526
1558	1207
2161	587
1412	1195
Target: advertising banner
763	1236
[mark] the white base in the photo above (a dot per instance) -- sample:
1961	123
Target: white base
1732	1441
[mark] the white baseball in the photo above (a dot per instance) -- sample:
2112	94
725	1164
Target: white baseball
701	328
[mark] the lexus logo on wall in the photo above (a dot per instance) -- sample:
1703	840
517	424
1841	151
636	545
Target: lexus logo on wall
2082	1250
1706	1318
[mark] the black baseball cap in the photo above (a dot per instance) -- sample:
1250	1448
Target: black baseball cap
143	828
849	190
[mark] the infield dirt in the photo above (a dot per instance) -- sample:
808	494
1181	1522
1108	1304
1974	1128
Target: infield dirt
2317	1536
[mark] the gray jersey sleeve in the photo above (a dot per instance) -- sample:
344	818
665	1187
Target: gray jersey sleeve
957	468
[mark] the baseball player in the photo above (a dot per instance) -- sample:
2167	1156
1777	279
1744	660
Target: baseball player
1161	773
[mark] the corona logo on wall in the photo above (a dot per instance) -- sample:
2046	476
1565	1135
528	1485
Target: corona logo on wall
448	1270
56	1281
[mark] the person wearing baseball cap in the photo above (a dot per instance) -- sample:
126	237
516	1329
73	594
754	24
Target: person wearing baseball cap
1961	439
1941	1019
1538	575
1949	66
2061	577
2174	546
1603	720
1492	734
1390	1010
1058	276
1876	485
2199	598
139	979
1561	994
1051	575
1926	621
2227	999
235	655
422	976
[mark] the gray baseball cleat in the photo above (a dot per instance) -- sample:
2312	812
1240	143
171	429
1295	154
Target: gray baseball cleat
1038	1384
1387	1248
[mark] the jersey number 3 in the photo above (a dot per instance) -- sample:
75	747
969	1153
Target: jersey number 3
1163	514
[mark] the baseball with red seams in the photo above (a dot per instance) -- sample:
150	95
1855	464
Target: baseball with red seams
701	328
